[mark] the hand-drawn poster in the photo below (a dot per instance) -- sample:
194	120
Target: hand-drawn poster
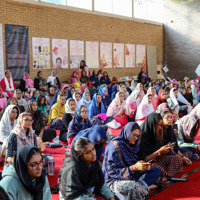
118	55
60	53
105	55
140	55
1	54
76	53
41	53
17	50
92	54
130	55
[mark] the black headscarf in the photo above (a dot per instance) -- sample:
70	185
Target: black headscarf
77	177
83	66
147	141
21	159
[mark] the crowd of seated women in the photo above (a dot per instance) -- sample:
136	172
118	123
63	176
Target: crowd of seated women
149	150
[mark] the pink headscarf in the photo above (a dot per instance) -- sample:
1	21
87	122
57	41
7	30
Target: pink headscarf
82	88
28	80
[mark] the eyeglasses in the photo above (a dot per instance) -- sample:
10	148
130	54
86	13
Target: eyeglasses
84	111
28	120
123	87
36	165
135	136
168	118
121	95
19	93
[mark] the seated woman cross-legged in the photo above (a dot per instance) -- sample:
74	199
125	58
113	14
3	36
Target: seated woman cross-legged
122	170
82	177
20	136
56	113
151	148
26	179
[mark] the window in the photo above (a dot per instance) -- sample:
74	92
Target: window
85	4
149	10
122	7
60	2
103	6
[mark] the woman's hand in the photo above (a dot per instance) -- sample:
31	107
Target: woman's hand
186	161
140	166
165	149
10	160
112	198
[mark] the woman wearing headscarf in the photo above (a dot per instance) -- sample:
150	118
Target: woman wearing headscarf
133	85
40	83
26	179
70	93
58	92
53	80
35	94
79	122
189	96
8	122
3	100
21	101
97	135
74	77
161	107
161	98
122	88
85	100
119	109
70	108
95	80
82	177
128	87
178	103
85	79
144	109
122	171
140	88
50	96
20	136
133	100
152	91
8	84
105	79
194	91
161	86
115	90
56	113
64	89
77	97
188	127
151	148
105	98
83	67
26	85
41	101
46	134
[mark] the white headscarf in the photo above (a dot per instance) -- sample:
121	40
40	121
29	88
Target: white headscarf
149	91
144	109
11	82
133	98
21	102
126	94
142	94
67	108
133	85
51	78
78	103
181	99
5	123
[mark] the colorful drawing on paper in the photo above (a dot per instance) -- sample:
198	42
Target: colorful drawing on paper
130	55
140	55
76	53
92	54
105	55
118	49
41	53
60	53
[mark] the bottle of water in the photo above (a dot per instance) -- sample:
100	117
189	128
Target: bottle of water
50	165
109	131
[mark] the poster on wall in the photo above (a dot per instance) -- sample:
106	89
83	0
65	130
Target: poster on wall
105	55
140	55
17	50
60	53
76	53
1	54
92	54
41	53
130	55
118	55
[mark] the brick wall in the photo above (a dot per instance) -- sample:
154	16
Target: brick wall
50	22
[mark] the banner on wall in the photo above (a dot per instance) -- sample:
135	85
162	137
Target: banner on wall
130	55
118	55
140	55
1	53
60	53
76	53
41	53
92	54
105	55
17	50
